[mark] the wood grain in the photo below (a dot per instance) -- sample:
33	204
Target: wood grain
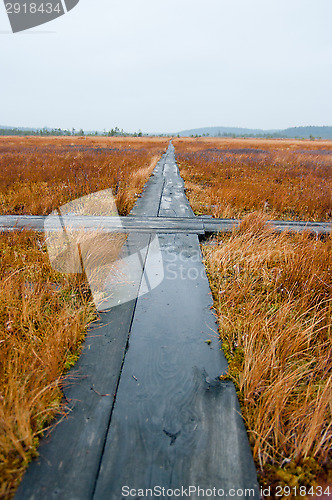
185	223
174	423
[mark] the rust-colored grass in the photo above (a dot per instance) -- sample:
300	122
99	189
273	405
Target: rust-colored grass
232	177
43	318
38	175
272	295
44	314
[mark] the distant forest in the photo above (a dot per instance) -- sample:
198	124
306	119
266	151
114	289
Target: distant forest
22	131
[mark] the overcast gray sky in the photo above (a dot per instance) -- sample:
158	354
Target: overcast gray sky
165	66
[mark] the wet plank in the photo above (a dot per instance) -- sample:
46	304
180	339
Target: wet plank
162	224
174	423
228	225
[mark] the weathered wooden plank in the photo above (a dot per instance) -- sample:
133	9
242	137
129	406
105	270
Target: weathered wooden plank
224	225
174	202
163	224
174	422
298	226
104	224
149	203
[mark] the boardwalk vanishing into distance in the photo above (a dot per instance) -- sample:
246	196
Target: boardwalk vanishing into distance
146	406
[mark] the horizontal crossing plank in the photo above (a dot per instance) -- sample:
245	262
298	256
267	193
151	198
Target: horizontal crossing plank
227	225
188	225
314	227
105	224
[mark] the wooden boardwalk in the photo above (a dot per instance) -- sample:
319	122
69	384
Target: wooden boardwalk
146	406
156	224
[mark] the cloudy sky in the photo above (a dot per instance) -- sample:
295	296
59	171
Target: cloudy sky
165	66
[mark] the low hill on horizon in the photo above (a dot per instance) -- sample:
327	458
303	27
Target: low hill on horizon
308	132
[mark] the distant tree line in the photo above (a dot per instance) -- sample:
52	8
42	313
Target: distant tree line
43	132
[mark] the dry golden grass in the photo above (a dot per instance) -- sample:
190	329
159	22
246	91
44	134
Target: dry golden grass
38	175
272	295
231	177
44	314
273	301
43	318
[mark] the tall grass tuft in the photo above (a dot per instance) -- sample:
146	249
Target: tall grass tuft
43	319
272	295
